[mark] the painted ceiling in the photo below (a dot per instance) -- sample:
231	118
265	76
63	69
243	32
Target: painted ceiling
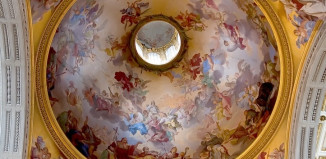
213	104
156	34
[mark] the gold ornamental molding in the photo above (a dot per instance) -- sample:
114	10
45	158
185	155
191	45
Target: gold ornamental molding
286	82
280	109
43	101
301	72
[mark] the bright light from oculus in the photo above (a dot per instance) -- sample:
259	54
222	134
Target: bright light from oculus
158	42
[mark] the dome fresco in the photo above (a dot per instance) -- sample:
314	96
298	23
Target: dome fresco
156	34
213	104
157	42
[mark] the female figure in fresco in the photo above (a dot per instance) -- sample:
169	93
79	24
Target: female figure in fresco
136	124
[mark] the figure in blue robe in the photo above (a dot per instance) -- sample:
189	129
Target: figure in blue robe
137	125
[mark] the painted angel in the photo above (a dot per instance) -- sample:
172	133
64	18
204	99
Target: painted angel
235	40
303	30
132	13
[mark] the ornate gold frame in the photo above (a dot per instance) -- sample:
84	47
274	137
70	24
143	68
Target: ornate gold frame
43	101
286	82
281	107
176	60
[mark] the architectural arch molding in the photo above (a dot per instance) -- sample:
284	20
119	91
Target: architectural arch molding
309	100
16	81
